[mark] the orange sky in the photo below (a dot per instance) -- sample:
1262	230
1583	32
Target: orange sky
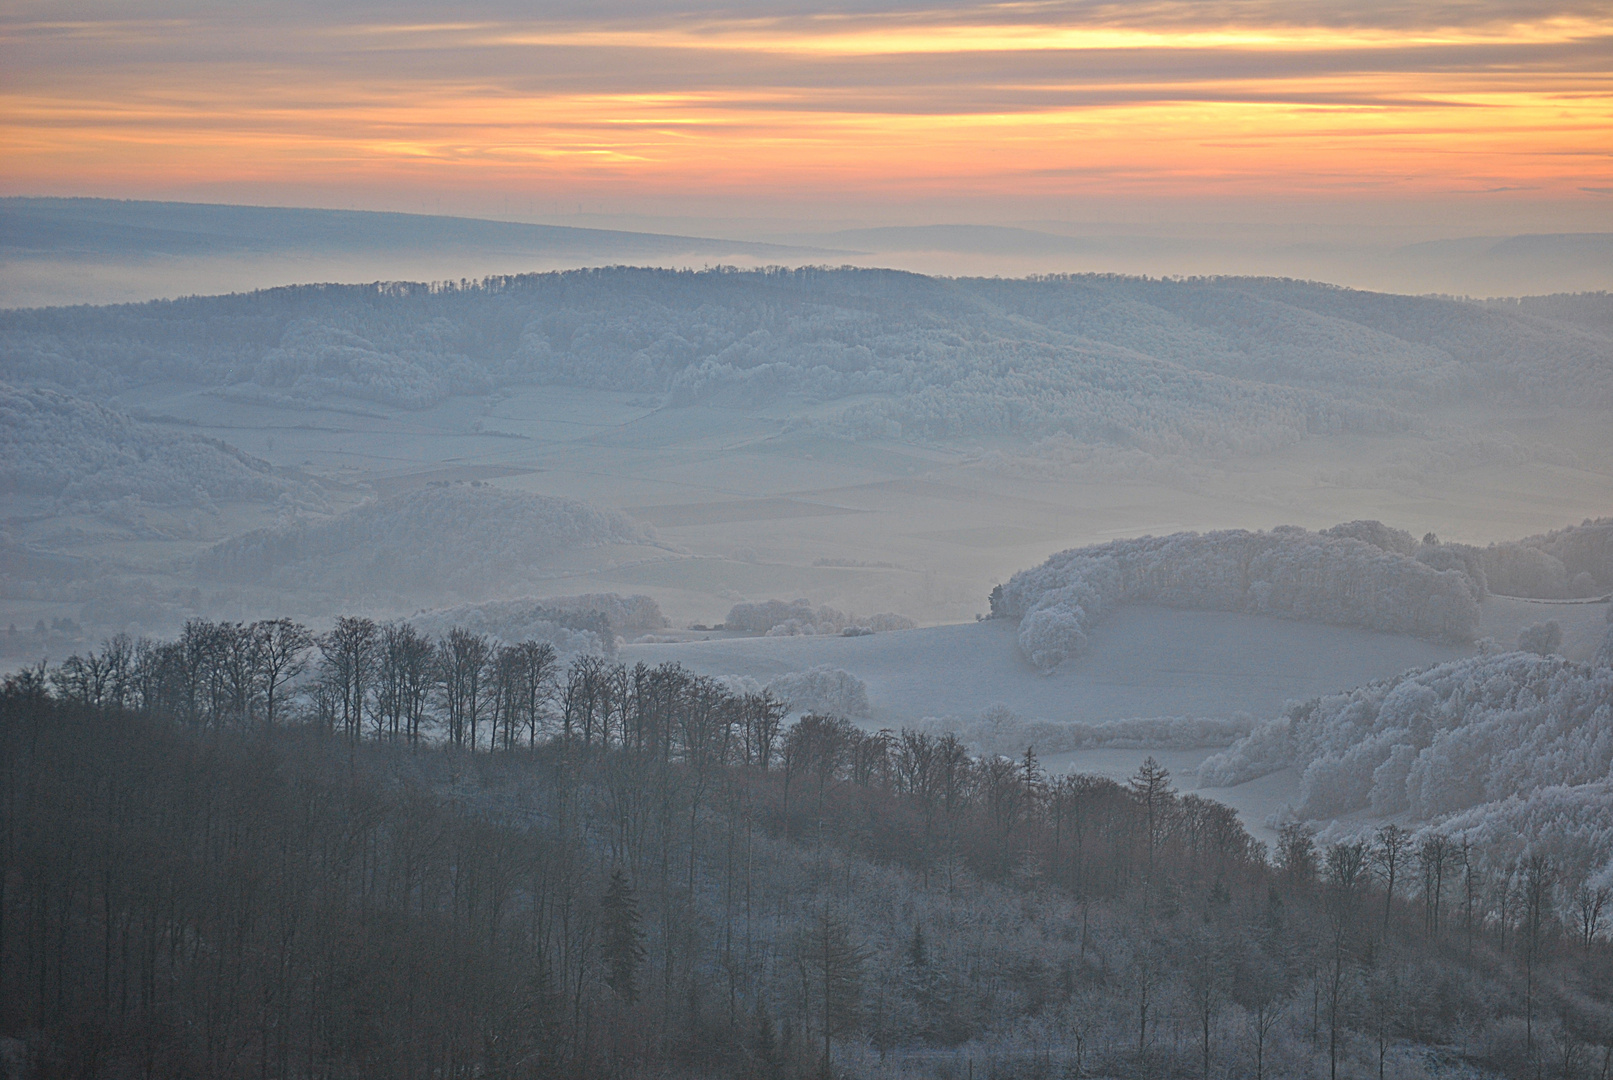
1031	105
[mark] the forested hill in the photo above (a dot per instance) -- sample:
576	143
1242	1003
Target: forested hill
688	891
1236	363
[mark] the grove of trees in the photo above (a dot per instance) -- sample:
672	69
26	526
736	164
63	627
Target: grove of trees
1288	572
450	859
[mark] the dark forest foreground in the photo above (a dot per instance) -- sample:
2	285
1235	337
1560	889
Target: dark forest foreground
690	899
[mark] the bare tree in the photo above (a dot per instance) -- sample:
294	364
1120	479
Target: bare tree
538	671
1588	903
349	651
1296	853
1537	878
460	677
763	714
1262	987
280	655
1389	854
1151	787
1436	855
835	962
1346	878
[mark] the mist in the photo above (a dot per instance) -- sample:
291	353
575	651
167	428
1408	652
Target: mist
453	646
100	251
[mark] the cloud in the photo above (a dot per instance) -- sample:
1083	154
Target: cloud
659	97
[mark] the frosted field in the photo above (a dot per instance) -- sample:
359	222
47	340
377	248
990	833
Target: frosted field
1143	661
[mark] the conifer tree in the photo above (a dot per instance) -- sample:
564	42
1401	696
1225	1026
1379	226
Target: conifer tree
623	939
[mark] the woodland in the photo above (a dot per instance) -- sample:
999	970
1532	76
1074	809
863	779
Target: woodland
1245	364
254	851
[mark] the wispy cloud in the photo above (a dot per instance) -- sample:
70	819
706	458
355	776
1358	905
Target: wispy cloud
1245	96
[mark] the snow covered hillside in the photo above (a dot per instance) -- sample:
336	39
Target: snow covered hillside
1220	363
83	454
1512	752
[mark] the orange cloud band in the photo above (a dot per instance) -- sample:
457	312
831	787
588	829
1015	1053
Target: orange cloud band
875	106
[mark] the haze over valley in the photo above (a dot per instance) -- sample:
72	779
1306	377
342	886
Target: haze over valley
869	441
893	540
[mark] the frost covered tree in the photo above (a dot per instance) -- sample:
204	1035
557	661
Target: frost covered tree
1287	572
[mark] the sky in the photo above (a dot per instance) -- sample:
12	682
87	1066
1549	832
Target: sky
1493	116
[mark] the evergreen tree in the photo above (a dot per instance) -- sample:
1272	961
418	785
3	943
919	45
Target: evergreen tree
623	939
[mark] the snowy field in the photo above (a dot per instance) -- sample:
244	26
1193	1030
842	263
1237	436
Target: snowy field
1144	661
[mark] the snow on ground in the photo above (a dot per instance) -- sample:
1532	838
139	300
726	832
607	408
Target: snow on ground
1144	661
1502	617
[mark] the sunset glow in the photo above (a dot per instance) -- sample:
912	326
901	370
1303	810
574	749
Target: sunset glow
1028	100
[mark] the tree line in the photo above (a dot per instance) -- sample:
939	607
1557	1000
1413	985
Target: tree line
203	873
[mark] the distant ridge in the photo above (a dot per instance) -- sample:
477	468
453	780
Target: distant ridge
87	226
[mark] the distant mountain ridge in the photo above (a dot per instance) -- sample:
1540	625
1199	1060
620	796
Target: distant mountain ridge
112	226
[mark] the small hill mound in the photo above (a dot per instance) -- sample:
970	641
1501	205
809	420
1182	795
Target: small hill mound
454	537
56	444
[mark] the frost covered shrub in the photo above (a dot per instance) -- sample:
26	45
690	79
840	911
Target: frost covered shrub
1075	594
1437	741
1377	534
1542	638
511	622
1287	572
1463	557
1572	562
886	621
794	618
456	536
596	617
1571	823
315	359
1586	548
55	444
627	615
823	689
764	617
